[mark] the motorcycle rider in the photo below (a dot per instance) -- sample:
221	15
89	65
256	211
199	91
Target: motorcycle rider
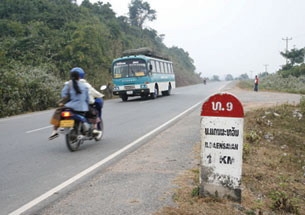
95	97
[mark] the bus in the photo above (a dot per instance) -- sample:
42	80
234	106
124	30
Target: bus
139	72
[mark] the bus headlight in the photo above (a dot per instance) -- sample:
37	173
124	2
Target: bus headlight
143	86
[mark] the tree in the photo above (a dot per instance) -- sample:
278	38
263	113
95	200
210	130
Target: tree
215	78
244	76
229	77
294	56
139	12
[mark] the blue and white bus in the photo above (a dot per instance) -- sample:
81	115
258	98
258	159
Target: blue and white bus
140	73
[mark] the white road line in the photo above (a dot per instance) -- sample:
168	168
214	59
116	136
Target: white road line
49	193
38	129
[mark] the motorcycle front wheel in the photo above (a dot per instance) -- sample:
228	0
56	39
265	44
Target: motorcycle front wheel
72	140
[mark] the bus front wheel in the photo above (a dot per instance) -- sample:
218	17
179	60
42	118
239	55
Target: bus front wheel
155	94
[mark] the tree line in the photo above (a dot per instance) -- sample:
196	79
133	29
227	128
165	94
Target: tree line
41	40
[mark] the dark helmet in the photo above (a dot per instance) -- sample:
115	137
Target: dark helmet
80	71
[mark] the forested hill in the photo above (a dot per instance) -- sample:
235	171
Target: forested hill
41	40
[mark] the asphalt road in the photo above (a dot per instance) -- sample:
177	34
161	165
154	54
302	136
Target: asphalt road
142	182
37	172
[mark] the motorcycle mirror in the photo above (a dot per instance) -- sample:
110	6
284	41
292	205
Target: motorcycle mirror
103	87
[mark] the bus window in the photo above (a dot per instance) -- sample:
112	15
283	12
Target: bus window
165	67
138	69
162	67
126	69
159	67
156	69
153	64
120	70
171	68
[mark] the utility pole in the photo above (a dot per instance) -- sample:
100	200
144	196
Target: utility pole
287	40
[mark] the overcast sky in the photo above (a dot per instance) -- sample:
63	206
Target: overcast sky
228	36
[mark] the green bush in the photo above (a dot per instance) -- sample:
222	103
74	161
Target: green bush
24	89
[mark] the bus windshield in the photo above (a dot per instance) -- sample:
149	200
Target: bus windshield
129	68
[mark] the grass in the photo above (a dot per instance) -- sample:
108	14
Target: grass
273	179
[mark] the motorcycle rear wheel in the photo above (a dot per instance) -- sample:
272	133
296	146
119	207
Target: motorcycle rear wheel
72	140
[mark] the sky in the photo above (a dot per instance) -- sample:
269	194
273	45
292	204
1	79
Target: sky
228	36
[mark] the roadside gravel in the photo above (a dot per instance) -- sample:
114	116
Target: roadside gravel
144	181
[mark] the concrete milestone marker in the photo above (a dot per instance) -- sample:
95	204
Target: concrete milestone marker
222	119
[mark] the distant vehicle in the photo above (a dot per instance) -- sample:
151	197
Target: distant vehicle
139	72
204	81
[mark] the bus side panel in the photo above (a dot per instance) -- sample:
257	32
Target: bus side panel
163	81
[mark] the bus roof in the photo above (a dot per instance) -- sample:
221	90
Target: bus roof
144	51
144	57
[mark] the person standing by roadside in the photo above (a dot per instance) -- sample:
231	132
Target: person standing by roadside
256	84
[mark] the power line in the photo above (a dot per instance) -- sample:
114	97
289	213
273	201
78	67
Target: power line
287	40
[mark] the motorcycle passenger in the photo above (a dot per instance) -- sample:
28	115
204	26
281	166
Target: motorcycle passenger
95	97
78	100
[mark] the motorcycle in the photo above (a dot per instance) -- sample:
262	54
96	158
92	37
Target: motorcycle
79	127
204	81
